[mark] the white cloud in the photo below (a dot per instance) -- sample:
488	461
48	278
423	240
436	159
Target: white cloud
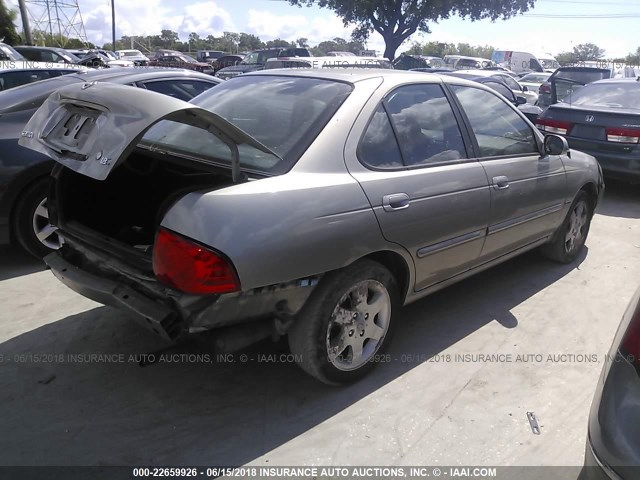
291	27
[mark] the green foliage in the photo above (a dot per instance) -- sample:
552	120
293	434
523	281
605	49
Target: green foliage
566	58
7	25
587	52
397	20
440	49
337	45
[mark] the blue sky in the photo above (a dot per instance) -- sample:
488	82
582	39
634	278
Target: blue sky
272	18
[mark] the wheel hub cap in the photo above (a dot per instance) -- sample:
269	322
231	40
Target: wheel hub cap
577	224
45	232
358	325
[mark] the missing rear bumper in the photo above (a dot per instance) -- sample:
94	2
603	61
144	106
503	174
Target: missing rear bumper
161	319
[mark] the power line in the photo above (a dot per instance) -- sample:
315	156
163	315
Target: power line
586	16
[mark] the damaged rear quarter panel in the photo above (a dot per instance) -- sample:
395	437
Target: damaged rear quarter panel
313	219
282	228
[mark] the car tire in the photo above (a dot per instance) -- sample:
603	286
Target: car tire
335	337
30	219
569	239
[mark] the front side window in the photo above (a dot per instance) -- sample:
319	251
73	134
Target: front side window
499	130
426	128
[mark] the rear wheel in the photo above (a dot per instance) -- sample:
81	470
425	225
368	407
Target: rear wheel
572	234
32	228
346	323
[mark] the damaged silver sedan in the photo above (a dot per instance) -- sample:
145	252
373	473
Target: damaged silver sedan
308	204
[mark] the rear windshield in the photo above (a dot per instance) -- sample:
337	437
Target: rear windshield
613	95
582	77
534	78
285	114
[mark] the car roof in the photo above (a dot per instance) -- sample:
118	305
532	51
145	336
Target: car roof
484	73
354	75
620	80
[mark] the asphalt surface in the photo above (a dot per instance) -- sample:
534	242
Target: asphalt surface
543	329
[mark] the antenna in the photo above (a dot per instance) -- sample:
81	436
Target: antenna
61	19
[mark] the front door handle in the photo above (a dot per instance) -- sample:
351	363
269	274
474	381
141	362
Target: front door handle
500	183
395	201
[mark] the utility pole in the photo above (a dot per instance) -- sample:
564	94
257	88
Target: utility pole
26	28
113	26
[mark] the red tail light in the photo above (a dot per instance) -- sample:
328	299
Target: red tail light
623	135
544	88
630	346
558	127
191	268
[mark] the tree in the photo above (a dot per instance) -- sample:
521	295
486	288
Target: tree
337	45
303	42
248	41
566	58
633	59
7	25
279	43
397	20
587	51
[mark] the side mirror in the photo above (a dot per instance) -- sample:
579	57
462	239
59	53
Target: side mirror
520	100
525	89
555	145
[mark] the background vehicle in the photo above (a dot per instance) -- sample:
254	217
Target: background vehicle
519	90
613	448
24	174
533	80
226	61
208	56
135	56
566	80
411	62
47	54
102	59
602	119
394	185
548	62
256	60
341	54
173	59
518	62
460	62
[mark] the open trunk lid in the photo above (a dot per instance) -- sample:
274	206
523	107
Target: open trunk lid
92	127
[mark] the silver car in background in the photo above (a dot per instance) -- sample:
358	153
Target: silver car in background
306	203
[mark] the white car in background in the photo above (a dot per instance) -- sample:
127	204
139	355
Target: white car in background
533	80
135	56
549	62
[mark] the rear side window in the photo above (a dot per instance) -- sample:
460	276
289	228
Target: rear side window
426	128
379	148
498	129
420	129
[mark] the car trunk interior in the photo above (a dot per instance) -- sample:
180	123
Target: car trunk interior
129	205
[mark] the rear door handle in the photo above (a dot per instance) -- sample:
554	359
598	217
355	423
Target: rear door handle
395	201
500	183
